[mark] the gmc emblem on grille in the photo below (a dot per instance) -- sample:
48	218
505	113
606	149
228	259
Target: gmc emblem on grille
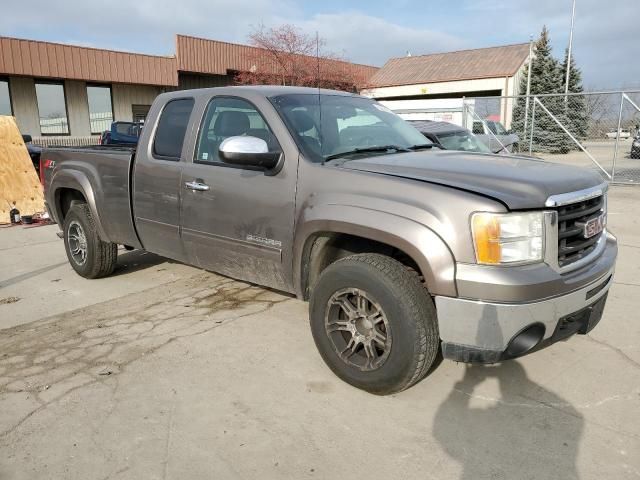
593	226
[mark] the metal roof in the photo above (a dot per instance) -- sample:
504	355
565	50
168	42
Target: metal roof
56	60
480	63
201	55
60	61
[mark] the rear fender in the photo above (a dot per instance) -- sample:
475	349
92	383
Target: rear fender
75	180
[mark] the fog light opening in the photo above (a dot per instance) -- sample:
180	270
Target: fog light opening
525	341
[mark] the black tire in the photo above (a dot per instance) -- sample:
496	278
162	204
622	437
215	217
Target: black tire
409	312
100	257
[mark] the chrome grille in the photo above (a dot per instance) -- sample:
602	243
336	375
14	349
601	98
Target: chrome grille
572	245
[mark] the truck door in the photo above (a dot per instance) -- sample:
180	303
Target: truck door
157	181
238	221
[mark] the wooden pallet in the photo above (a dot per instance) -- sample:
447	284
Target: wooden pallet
19	182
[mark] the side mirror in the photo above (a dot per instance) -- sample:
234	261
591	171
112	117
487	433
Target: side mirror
27	138
248	152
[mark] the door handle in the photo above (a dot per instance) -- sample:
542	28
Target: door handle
197	186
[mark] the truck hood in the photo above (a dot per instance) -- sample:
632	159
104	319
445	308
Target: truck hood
520	183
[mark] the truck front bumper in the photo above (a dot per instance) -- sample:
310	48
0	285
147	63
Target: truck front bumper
478	331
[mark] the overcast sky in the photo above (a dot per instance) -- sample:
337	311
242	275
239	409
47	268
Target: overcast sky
606	40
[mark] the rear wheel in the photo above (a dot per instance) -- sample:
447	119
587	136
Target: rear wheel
374	323
89	256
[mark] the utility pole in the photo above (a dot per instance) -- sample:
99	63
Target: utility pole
566	82
526	105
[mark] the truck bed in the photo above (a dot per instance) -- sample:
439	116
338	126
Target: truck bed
107	184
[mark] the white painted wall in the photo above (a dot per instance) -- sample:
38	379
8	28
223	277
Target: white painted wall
438	88
436	109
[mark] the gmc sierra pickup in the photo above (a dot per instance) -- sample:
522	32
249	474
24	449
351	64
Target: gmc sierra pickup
402	249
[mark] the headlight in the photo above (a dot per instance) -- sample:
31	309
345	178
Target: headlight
506	238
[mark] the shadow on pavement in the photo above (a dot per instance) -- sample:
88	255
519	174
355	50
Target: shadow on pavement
129	262
526	432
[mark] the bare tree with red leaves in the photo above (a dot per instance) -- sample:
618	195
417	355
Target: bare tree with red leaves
286	56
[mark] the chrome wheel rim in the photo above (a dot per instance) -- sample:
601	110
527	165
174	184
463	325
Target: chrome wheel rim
77	241
358	329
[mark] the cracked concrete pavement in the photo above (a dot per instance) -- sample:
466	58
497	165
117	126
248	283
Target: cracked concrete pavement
166	371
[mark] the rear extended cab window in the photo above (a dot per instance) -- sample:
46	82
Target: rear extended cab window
171	130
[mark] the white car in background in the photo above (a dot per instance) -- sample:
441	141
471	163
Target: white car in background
495	136
624	134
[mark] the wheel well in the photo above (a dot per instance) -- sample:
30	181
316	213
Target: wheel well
325	248
65	197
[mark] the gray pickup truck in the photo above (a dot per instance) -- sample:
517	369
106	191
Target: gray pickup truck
402	249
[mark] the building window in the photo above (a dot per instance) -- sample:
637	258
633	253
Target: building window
52	108
5	98
100	108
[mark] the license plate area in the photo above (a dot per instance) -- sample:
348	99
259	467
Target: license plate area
581	322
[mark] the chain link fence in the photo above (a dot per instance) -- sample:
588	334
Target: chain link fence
595	130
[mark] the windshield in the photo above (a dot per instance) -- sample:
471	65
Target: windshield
496	128
462	141
344	124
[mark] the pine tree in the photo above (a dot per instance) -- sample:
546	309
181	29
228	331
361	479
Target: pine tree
545	78
577	115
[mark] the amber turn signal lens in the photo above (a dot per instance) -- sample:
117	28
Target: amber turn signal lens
486	236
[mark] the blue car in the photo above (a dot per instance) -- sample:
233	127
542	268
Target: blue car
122	133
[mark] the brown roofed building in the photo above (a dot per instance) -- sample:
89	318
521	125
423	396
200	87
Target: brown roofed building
481	63
58	90
493	71
212	57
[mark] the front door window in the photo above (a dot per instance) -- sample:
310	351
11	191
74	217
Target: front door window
230	117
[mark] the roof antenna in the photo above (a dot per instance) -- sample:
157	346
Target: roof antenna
319	95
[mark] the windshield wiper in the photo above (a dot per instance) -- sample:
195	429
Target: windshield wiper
504	148
376	148
421	146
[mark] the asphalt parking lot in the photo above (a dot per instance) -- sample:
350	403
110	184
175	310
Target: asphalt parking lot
627	169
166	371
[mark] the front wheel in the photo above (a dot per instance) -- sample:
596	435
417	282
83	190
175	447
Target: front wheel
88	254
374	323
